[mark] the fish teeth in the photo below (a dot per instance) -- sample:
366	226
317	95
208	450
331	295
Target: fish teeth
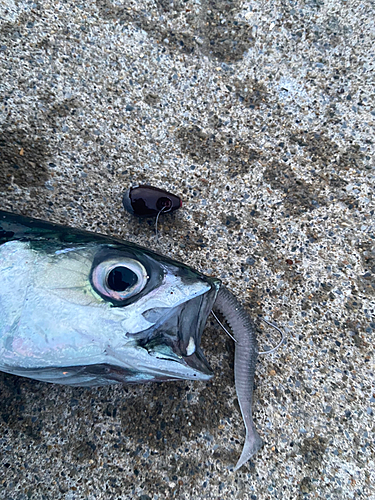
190	347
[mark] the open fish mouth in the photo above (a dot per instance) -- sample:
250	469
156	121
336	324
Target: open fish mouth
183	350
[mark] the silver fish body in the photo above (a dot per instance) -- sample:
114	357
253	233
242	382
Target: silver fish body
84	309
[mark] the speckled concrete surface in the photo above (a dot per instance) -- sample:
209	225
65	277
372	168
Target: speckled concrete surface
261	116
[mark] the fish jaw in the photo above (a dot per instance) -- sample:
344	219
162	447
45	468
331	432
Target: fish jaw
173	349
54	326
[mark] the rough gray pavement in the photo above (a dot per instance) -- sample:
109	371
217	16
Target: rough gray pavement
261	116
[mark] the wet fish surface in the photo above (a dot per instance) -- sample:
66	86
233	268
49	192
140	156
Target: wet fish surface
86	309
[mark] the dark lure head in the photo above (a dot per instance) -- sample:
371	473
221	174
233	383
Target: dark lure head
86	309
149	201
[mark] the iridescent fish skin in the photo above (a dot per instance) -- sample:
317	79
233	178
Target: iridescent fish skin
85	309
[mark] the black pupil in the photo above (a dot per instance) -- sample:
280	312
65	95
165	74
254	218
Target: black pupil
121	278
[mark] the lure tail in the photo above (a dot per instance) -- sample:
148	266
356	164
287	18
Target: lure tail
253	443
246	352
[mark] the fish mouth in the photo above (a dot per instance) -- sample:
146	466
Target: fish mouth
175	343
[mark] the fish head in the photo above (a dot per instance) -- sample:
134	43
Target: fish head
164	307
100	312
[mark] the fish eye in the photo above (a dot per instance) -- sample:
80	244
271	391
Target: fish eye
119	280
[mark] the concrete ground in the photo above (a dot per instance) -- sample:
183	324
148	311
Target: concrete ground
260	115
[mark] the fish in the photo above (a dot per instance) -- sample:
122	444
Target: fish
86	309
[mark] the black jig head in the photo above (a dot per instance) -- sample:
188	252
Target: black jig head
149	201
